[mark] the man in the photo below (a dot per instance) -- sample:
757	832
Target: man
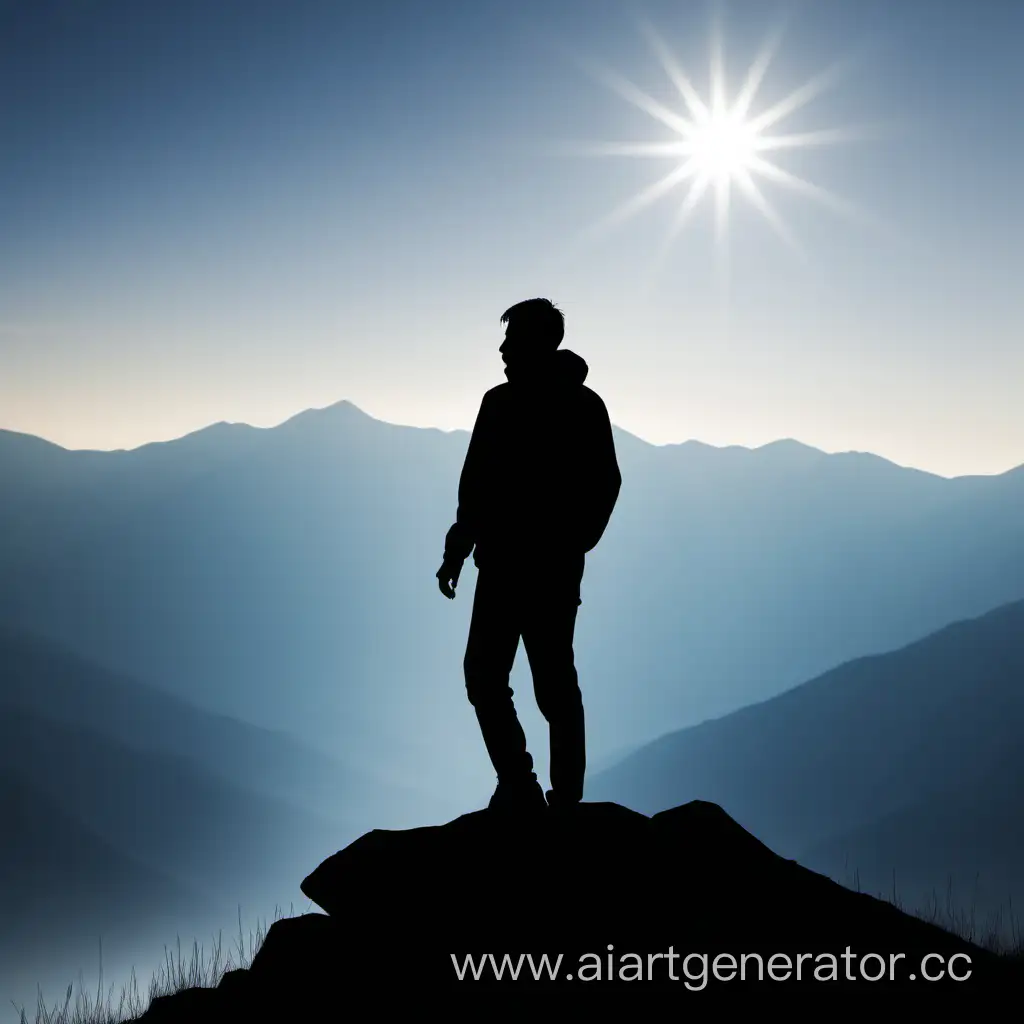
537	489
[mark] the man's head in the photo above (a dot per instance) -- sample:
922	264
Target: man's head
535	329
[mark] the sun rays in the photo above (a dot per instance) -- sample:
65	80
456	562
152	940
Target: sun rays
721	145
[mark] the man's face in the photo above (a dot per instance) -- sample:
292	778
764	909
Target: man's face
508	347
519	346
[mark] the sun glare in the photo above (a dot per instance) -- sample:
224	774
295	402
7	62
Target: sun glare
720	143
723	146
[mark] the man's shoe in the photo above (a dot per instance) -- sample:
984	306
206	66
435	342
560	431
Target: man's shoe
518	797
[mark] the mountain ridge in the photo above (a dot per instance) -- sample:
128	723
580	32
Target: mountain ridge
345	407
222	572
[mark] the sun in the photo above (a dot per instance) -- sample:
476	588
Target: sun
722	147
719	145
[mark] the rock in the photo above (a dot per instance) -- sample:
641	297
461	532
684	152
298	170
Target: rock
637	907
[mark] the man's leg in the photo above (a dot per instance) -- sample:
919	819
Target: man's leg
490	653
548	629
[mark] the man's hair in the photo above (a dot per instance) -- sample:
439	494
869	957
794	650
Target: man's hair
539	316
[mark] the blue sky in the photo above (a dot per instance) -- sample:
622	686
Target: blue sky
236	211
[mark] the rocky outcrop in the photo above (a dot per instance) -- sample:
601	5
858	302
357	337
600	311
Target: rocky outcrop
683	908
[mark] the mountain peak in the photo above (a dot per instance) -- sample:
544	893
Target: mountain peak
791	447
342	411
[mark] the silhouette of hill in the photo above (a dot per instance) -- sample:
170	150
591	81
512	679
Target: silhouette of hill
225	842
171	827
43	677
957	853
66	890
128	815
908	760
227	565
65	885
598	891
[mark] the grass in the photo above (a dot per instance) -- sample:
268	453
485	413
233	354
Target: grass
999	932
999	935
197	967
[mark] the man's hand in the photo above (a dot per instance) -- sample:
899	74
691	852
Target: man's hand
448	578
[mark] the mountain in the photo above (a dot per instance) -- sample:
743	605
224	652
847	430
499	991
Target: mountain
65	885
956	854
216	838
285	577
41	676
69	894
600	909
130	817
148	846
908	760
215	804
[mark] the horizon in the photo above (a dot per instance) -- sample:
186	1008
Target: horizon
467	429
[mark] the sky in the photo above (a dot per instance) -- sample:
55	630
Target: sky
240	210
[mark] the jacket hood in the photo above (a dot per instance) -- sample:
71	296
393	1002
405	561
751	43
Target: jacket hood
570	367
562	367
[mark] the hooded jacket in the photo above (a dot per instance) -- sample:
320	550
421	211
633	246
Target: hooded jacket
540	479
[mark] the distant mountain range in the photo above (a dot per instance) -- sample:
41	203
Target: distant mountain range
284	576
225	656
904	767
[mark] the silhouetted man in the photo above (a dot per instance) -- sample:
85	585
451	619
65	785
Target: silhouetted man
537	489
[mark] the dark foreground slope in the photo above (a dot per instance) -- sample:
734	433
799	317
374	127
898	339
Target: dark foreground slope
607	888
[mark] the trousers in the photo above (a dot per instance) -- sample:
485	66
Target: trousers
507	607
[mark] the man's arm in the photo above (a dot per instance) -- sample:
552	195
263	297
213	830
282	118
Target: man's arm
462	535
603	478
